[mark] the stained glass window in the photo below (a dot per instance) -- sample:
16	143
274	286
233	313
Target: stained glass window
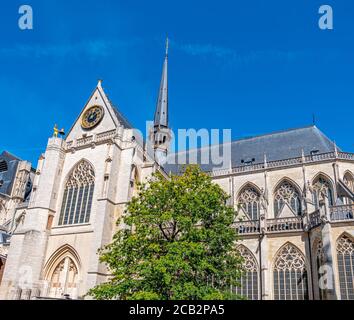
290	275
345	259
249	202
78	194
249	279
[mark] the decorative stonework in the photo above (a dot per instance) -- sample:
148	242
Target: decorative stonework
249	200
349	181
249	262
345	258
78	195
286	193
322	190
345	245
83	174
289	258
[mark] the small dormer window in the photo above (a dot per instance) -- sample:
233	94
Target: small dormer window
3	166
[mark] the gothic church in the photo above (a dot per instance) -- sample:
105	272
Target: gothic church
294	191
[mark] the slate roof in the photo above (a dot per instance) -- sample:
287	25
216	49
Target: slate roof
7	177
278	145
126	124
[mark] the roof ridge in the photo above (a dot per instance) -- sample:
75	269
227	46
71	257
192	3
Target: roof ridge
275	132
119	113
5	152
247	138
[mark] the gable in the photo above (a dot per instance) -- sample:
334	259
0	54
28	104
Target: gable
111	118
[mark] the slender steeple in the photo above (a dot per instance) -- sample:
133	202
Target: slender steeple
161	113
161	135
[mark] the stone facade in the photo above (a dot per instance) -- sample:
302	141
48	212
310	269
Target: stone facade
325	222
295	214
16	178
40	242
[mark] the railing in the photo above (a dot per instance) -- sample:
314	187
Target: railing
83	141
291	224
342	213
105	135
69	144
346	156
285	163
284	224
247	227
314	219
99	138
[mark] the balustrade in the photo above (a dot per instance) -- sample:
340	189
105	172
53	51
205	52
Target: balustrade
342	213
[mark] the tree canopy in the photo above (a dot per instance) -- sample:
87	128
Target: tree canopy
177	242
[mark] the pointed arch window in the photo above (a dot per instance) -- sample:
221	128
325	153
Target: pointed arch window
249	280
287	195
290	275
322	191
249	201
78	194
348	180
345	259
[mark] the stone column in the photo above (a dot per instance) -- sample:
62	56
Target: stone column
264	272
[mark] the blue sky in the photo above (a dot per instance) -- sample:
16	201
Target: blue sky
252	66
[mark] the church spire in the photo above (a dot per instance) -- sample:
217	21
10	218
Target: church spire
161	135
161	113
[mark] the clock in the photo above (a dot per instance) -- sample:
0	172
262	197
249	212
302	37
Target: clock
92	117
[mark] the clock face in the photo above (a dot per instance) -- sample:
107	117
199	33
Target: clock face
92	117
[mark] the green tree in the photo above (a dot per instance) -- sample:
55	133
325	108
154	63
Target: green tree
178	243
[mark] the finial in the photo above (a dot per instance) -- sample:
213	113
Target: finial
166	46
57	131
302	155
99	83
335	149
265	160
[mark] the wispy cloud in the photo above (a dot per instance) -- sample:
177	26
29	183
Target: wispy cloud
93	49
236	57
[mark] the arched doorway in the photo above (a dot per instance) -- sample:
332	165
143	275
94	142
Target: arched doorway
62	276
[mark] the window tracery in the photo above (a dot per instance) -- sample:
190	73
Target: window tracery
290	275
249	280
249	201
322	191
78	194
287	194
345	259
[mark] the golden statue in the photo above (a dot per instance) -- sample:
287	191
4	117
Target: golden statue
57	131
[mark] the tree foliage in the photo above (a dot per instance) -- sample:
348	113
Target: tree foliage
177	243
